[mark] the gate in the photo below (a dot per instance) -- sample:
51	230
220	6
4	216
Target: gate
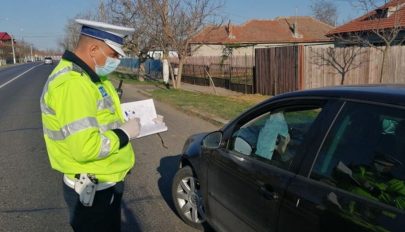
278	69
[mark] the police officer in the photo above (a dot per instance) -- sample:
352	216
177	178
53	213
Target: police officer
86	136
377	182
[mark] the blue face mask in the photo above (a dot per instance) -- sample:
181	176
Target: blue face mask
110	65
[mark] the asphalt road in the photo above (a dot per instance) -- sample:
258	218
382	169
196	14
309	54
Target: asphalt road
31	192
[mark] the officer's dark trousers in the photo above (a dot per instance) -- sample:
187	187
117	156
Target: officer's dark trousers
104	215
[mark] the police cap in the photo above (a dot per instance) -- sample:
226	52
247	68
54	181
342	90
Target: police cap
112	35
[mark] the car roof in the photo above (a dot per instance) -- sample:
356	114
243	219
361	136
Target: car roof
388	94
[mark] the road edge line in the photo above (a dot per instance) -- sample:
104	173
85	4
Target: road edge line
14	78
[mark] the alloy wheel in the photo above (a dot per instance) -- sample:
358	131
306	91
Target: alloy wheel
189	199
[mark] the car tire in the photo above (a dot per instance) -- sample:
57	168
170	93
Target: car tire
187	198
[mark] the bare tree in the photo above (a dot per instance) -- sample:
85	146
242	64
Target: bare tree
72	29
181	21
23	50
165	24
137	14
72	32
341	59
378	34
367	5
103	14
325	11
130	13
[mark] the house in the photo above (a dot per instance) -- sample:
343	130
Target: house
241	40
5	48
387	21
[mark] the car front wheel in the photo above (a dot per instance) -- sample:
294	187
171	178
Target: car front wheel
187	197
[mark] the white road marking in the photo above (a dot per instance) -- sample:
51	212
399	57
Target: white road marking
8	82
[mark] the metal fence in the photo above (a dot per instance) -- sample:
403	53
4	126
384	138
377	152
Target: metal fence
233	72
153	68
238	79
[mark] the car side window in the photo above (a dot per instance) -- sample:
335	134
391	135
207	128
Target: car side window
364	153
275	137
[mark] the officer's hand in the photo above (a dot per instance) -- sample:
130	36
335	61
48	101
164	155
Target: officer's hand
158	119
132	128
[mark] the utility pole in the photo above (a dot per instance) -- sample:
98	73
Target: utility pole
31	52
12	47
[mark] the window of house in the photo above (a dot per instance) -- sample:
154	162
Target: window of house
364	153
275	137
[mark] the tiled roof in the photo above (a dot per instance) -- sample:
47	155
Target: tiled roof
278	30
366	22
4	36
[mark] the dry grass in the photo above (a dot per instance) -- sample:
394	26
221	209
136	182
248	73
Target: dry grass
249	98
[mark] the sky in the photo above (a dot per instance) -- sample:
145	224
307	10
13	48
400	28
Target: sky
42	22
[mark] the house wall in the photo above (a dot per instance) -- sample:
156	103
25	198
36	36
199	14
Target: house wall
217	50
157	55
6	54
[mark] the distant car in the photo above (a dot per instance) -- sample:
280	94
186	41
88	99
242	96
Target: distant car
48	60
317	160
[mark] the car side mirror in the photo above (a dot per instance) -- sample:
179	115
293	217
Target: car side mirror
213	140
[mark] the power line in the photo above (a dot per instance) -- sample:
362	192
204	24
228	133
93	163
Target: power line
38	36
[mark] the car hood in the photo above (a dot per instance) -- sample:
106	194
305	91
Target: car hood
192	146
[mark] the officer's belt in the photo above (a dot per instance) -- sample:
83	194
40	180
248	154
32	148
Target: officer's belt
100	186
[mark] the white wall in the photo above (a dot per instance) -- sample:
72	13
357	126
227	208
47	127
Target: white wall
216	50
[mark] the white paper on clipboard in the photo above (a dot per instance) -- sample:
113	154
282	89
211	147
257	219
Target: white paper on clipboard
144	110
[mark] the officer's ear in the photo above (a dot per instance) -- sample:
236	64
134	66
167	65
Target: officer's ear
93	49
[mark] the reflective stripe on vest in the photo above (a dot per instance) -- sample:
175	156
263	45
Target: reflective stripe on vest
77	126
105	147
71	128
110	126
106	103
44	108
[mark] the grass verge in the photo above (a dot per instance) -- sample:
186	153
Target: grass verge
211	106
207	104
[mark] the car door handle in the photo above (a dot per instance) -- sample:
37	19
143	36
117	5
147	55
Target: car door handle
330	199
333	198
241	159
269	194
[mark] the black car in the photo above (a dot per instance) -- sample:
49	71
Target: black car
328	159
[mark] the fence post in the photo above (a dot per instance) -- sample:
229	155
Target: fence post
246	80
230	75
204	73
246	74
254	79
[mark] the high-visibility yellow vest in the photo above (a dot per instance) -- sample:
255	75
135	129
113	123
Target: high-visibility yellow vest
79	112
